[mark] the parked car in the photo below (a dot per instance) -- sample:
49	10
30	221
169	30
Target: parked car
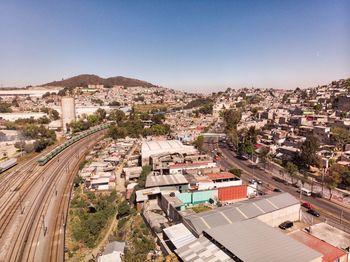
277	190
307	205
252	181
286	224
242	157
313	212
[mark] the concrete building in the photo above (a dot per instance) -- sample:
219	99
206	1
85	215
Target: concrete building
68	111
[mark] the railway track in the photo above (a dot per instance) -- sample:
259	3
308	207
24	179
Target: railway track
25	244
56	244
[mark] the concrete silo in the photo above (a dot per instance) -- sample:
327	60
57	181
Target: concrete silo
68	111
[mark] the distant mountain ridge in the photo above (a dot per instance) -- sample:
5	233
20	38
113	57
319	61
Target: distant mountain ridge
86	79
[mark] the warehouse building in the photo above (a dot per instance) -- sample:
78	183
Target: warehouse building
272	209
247	241
157	147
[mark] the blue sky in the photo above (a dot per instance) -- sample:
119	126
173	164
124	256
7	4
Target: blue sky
197	45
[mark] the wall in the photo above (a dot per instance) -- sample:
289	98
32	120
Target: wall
169	210
232	193
186	198
275	218
197	197
202	196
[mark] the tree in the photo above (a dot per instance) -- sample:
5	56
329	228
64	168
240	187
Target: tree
317	108
94	119
114	103
198	102
232	136
117	132
341	136
160	129
123	209
236	171
97	101
101	113
264	154
232	118
308	155
343	171
199	142
47	94
116	115
333	178
54	115
292	170
43	120
252	135
158	118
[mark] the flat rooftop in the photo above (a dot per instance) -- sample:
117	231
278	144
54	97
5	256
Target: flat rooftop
330	234
329	252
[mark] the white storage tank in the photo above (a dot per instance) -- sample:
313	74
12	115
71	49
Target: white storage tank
68	111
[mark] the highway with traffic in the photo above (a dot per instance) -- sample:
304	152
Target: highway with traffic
333	213
34	202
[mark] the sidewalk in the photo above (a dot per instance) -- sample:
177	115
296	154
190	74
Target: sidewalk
314	186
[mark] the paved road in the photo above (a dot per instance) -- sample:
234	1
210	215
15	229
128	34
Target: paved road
333	213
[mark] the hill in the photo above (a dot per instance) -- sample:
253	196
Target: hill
84	80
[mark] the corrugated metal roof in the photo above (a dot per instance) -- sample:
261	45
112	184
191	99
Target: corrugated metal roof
239	211
165	180
179	235
252	240
202	250
155	147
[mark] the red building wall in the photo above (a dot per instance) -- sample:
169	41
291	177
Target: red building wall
232	192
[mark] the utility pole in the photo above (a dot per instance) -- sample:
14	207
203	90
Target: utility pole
324	170
300	192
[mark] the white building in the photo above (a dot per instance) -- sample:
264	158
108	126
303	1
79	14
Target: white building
156	147
21	115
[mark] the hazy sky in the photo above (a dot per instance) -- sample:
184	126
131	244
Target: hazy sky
190	45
